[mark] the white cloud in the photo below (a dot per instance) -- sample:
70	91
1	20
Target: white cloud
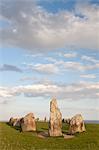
77	66
70	55
44	68
90	59
58	67
36	29
51	59
47	68
74	66
80	91
6	92
89	76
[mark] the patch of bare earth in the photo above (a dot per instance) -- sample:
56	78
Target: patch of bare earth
68	136
43	135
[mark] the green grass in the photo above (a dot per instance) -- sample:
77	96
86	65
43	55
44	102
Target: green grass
13	139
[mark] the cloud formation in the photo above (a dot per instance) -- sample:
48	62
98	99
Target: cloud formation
89	76
32	27
80	91
7	67
89	59
44	68
58	65
70	55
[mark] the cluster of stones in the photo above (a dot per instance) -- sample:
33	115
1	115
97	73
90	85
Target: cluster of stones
28	123
76	123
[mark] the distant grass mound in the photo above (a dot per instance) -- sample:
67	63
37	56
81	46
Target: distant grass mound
12	139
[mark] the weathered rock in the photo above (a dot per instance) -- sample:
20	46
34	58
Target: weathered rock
28	123
55	123
76	124
14	122
11	121
17	122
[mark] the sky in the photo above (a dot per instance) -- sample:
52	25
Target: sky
49	48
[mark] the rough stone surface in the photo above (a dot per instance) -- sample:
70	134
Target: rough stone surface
11	121
76	124
28	123
55	123
17	122
14	122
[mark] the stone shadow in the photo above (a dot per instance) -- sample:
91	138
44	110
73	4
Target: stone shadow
14	127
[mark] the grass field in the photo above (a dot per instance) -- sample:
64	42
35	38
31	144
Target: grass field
13	139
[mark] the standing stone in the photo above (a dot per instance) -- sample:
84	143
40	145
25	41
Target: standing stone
55	123
76	124
28	123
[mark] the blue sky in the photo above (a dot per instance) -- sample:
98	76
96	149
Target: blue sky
49	49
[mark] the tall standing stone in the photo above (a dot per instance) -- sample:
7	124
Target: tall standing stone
28	123
55	123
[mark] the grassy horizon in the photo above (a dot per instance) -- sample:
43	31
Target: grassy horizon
12	139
